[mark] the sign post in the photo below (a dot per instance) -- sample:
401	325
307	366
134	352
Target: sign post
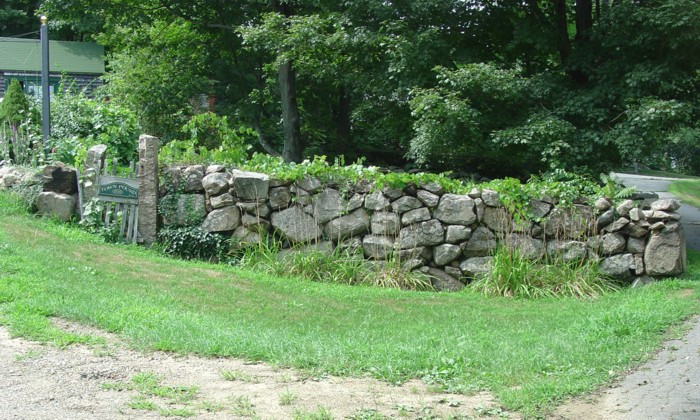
45	92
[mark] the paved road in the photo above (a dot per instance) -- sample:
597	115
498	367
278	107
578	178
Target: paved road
690	215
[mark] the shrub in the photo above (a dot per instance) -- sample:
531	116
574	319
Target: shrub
79	122
192	242
211	139
14	108
20	139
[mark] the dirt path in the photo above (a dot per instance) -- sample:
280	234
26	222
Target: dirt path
98	382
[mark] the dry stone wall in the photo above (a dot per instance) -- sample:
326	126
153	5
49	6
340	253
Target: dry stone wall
450	237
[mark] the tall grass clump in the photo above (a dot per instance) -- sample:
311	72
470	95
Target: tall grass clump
339	266
512	275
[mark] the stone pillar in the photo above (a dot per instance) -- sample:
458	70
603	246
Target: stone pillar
148	189
93	164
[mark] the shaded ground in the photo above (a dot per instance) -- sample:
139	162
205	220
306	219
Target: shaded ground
92	382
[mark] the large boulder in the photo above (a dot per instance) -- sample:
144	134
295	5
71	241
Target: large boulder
385	223
476	267
481	243
455	210
61	206
376	201
528	247
443	282
60	179
497	219
356	223
183	209
457	233
613	243
422	234
216	183
491	198
222	220
310	184
255	208
406	203
415	216
446	253
618	266
328	205
665	254
279	197
567	251
192	177
570	223
295	225
222	200
377	247
666	205
250	185
429	199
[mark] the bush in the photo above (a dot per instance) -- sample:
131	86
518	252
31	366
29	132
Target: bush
20	138
211	139
79	122
14	108
193	243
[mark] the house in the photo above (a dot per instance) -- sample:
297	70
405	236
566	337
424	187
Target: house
21	59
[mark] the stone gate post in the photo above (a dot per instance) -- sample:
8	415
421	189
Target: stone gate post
148	188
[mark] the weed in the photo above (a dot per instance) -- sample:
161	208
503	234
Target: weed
321	413
238	375
28	355
287	398
367	414
241	406
140	402
512	275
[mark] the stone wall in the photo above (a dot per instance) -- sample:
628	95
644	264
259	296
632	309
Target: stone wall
450	237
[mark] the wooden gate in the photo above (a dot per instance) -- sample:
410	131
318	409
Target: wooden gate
119	195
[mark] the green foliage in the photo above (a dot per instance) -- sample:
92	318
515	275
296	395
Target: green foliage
14	108
159	72
512	275
211	140
338	266
192	242
79	122
93	221
20	136
29	186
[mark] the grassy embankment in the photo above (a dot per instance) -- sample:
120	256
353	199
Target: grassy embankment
531	354
687	190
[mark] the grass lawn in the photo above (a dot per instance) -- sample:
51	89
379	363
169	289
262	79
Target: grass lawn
531	354
688	191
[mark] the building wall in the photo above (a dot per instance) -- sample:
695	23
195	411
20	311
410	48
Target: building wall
88	82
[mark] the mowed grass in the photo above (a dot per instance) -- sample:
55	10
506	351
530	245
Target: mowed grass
531	354
688	191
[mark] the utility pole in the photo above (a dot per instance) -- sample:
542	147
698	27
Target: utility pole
45	93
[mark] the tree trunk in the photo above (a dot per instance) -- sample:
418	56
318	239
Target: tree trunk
293	147
562	32
584	18
343	123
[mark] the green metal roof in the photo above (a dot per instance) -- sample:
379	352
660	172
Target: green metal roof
64	56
